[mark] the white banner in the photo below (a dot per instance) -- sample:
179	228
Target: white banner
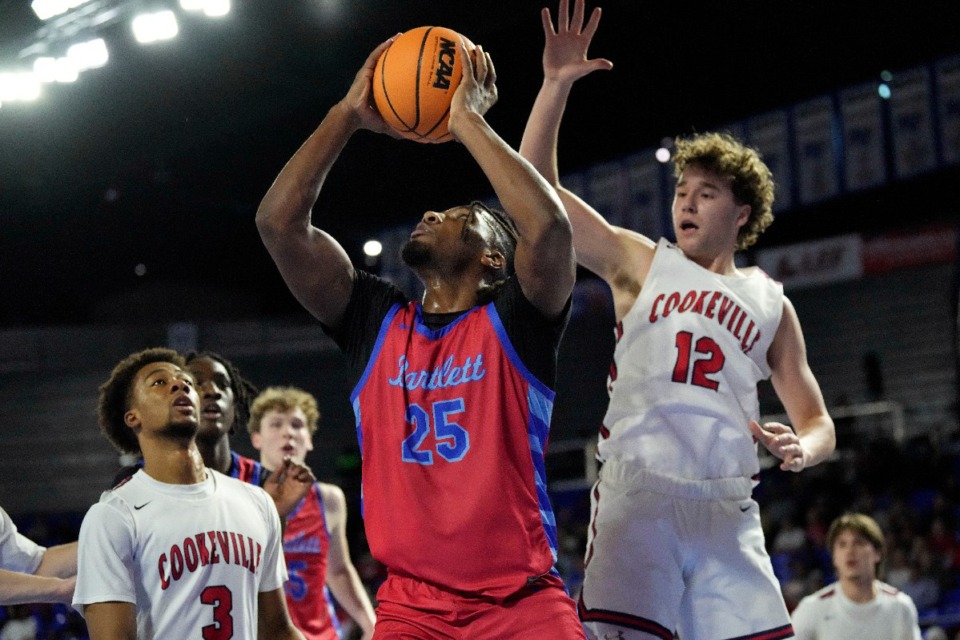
769	134
912	123
948	107
814	263
864	159
816	159
607	191
648	199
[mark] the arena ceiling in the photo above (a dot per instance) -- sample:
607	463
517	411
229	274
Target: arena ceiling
160	157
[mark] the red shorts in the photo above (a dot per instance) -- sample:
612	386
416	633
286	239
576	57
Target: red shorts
408	609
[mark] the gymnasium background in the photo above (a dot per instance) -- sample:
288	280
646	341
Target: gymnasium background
126	221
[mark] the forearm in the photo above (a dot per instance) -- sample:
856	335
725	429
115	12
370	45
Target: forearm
290	199
347	588
541	135
59	561
23	588
525	195
817	439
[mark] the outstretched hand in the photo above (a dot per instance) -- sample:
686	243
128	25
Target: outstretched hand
288	485
565	51
782	442
477	91
359	99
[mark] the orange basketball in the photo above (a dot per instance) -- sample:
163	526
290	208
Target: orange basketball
414	81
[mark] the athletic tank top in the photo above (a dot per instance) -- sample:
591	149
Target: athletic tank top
452	428
683	383
305	545
246	469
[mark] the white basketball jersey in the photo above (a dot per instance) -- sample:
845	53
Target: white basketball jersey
17	552
683	385
830	615
193	558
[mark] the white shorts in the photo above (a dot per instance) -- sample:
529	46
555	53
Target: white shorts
660	561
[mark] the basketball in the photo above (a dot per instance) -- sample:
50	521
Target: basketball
414	81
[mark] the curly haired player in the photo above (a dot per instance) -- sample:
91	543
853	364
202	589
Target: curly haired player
675	538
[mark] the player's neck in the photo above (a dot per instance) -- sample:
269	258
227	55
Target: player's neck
216	453
174	465
722	264
447	295
859	590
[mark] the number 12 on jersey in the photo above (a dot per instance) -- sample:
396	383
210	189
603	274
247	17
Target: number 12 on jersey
708	360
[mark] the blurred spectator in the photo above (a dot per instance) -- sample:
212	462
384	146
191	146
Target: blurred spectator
858	605
21	625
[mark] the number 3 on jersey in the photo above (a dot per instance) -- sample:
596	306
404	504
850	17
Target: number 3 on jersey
711	361
452	440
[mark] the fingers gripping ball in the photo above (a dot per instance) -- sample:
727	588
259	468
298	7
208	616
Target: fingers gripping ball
414	81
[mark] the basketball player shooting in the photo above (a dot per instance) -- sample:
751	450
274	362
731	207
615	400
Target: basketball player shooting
453	406
676	542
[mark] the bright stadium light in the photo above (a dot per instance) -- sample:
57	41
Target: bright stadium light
212	8
89	55
154	27
45	69
66	71
216	8
21	86
62	70
372	248
46	9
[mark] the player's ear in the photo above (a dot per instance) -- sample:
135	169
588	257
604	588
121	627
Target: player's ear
493	259
743	215
132	419
256	440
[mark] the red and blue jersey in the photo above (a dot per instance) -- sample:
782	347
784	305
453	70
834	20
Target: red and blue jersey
452	428
246	469
306	541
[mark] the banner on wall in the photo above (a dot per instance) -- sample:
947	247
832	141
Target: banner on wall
864	158
814	263
646	196
930	245
769	134
607	191
816	158
948	108
911	122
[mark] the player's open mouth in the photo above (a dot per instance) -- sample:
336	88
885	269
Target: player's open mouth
185	404
686	225
212	411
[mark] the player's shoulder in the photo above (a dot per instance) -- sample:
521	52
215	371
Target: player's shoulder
230	484
891	593
821	596
331	494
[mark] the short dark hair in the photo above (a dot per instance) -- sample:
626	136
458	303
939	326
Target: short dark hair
244	391
862	525
115	396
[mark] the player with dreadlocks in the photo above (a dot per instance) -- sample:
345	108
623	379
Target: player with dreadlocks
454	396
225	397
